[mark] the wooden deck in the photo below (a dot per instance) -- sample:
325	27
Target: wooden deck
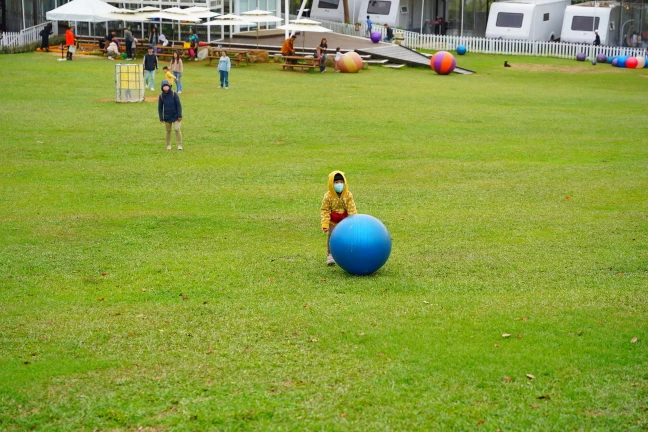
400	54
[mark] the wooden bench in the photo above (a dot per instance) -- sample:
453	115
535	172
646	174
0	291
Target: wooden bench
236	55
300	62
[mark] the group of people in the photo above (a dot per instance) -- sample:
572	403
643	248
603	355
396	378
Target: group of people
172	73
288	49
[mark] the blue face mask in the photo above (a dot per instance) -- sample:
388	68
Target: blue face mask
339	187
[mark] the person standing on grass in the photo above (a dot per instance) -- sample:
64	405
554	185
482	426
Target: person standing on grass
150	66
128	40
154	39
337	204
321	54
338	56
45	34
170	112
177	69
224	66
168	75
70	41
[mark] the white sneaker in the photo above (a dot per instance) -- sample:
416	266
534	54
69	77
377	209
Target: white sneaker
179	147
110	58
220	86
226	88
179	92
152	89
168	147
329	260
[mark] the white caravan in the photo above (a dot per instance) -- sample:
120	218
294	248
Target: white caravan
539	20
333	10
581	20
384	12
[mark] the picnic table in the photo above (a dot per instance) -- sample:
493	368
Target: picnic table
301	62
235	54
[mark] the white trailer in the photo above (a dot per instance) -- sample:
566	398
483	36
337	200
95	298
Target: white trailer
382	12
539	20
581	20
333	10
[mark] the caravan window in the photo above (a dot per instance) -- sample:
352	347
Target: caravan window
328	4
377	7
584	23
512	20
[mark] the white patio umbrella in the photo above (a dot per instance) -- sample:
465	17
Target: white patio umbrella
127	15
200	12
147	9
260	16
305	25
171	16
229	20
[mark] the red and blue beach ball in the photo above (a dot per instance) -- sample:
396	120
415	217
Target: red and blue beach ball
443	62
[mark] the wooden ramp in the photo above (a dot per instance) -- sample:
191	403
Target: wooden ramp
402	55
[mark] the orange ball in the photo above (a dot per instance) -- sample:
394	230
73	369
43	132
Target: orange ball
350	62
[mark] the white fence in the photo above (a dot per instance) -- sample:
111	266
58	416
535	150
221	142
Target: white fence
25	36
489	46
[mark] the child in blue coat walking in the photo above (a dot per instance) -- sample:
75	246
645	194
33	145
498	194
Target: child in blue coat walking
224	65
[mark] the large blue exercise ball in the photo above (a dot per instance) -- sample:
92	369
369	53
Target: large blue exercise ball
360	244
622	61
461	49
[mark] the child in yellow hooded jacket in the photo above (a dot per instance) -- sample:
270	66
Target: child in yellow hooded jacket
337	204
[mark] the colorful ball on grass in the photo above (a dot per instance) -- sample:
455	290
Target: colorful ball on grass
360	244
580	56
376	37
609	60
631	63
641	62
615	62
350	63
461	50
601	58
443	62
621	62
123	56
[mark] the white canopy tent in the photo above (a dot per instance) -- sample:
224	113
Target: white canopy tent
82	10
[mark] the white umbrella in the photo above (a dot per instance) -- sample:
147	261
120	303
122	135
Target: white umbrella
260	16
305	25
147	9
127	15
229	20
173	16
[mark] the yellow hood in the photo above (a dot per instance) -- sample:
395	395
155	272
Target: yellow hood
345	192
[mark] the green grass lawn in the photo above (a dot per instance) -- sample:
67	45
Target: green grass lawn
171	290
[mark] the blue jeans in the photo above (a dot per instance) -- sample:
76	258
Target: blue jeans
178	81
149	76
224	78
386	39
